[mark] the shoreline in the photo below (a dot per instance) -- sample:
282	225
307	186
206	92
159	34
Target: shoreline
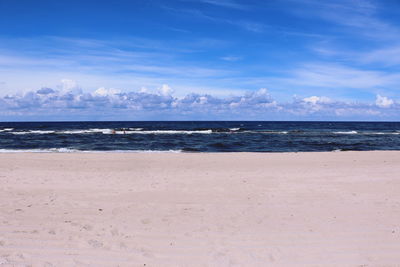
55	151
200	209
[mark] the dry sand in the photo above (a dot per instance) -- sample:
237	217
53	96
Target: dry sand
239	209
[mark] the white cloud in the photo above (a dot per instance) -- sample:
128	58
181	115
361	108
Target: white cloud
165	90
67	84
383	101
114	104
316	100
106	92
143	90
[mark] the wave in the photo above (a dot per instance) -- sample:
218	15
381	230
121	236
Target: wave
174	132
381	133
6	129
122	131
112	131
347	132
269	132
33	132
86	131
40	150
368	133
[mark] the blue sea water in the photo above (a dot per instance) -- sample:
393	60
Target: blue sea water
198	136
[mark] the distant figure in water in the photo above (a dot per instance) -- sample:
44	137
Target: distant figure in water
114	131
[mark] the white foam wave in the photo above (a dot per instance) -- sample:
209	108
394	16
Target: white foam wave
41	132
18	133
6	129
40	150
112	131
270	132
72	132
78	131
348	132
172	132
83	131
33	132
381	133
367	133
141	131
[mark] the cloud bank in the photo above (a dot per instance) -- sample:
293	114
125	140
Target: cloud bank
69	102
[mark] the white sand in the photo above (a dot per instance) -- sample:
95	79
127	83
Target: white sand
239	209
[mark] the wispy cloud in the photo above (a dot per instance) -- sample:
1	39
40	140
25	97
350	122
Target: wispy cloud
345	50
231	58
225	3
143	63
339	76
248	25
357	17
388	56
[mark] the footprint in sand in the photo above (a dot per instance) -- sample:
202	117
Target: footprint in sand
146	221
52	232
3	261
95	243
147	253
122	245
87	227
114	232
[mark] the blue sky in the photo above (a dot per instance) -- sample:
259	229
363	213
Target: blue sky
199	59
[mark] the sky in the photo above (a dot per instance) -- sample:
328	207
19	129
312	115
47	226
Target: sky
199	60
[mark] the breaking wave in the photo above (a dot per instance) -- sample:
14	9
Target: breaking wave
196	136
347	132
189	132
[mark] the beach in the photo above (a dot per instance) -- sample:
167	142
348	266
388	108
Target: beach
200	209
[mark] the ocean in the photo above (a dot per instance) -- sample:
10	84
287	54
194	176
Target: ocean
198	136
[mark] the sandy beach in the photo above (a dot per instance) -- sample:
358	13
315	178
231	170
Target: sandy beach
183	209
